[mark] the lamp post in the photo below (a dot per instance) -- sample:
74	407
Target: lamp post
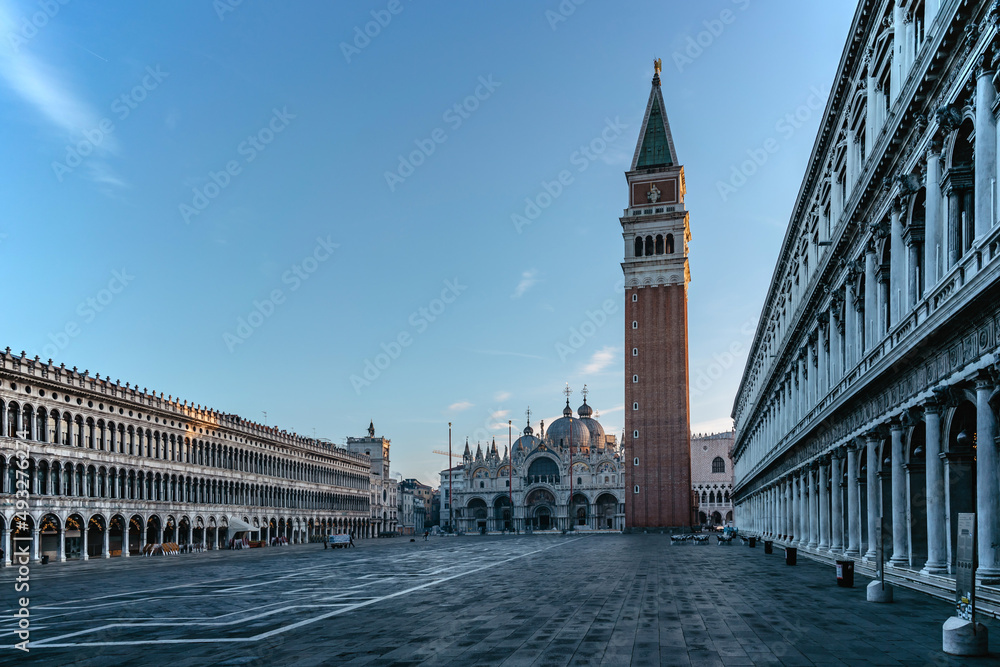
510	471
451	525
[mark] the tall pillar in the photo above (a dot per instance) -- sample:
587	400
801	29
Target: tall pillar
900	524
836	502
125	547
823	369
897	263
802	510
36	540
85	554
932	217
987	483
824	504
62	544
790	509
5	545
106	549
874	495
871	299
937	538
812	475
853	504
851	352
913	259
985	147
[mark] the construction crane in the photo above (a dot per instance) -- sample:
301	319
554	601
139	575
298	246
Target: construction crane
454	456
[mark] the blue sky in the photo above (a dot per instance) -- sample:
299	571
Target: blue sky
246	204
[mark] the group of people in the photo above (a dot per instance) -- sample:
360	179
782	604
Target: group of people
239	542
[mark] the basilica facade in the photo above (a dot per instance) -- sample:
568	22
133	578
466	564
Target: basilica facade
569	477
871	388
91	468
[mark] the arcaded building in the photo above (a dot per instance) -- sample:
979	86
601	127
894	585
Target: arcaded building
657	411
872	385
712	477
92	468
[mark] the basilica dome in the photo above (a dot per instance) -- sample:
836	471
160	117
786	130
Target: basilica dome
566	429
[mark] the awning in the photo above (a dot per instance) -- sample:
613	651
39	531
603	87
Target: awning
239	526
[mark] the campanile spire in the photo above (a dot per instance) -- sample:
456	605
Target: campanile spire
656	231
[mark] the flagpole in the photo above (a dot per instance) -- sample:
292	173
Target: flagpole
451	499
510	471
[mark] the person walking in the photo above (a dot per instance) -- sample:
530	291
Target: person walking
426	534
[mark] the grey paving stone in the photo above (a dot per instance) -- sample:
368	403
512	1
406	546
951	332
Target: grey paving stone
592	600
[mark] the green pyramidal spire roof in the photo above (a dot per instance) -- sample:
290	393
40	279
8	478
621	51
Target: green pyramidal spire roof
655	148
655	151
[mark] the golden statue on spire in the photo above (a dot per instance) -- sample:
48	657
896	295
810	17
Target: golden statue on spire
657	65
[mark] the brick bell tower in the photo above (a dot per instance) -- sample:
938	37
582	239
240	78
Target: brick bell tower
657	417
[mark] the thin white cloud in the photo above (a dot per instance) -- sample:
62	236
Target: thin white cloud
502	396
459	406
617	408
720	425
528	280
39	86
599	361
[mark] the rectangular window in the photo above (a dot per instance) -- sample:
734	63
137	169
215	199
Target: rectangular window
635	489
635	461
635	378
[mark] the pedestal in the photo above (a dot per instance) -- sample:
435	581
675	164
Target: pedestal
959	637
878	594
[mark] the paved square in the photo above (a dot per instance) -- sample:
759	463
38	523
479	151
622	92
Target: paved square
525	600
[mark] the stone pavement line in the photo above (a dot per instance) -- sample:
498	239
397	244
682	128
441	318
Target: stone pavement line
53	642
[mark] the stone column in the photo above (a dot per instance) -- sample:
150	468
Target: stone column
5	545
789	508
85	554
128	524
932	217
874	495
812	475
106	552
937	538
987	482
913	258
985	146
900	524
62	544
824	504
802	511
853	504
897	263
836	502
871	300
823	374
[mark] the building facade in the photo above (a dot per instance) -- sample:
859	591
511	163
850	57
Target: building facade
871	388
91	468
569	477
712	477
657	417
384	489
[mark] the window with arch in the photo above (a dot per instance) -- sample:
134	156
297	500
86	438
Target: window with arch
718	464
659	244
635	324
635	352
649	245
670	244
635	298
